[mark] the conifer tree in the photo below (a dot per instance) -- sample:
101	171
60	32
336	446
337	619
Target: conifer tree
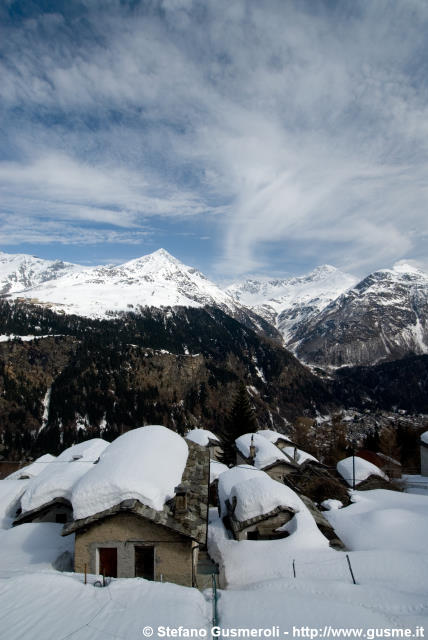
241	419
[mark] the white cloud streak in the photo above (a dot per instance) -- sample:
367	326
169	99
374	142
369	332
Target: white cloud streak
304	128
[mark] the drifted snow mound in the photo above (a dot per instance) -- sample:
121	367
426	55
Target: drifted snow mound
363	470
201	436
145	464
61	474
260	495
382	519
32	470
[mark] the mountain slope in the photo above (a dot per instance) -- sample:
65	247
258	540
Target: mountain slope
292	302
174	366
155	280
20	271
384	317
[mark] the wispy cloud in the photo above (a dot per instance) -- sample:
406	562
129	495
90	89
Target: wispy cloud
299	129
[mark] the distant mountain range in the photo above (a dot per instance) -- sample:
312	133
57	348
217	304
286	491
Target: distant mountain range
327	318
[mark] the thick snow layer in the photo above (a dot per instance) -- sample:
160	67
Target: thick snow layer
10	500
363	470
32	470
272	436
424	437
228	479
249	561
260	495
145	464
215	469
201	436
58	477
382	519
54	606
33	547
266	452
298	455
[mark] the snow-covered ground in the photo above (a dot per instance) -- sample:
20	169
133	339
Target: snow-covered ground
386	534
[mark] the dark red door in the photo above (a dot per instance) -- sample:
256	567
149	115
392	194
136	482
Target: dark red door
108	561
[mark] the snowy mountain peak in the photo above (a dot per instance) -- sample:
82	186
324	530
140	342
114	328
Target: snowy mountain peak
156	280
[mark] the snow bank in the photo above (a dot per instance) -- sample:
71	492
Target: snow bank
363	470
33	546
201	436
54	606
424	437
32	470
266	452
259	495
382	519
58	477
145	464
231	477
10	498
215	469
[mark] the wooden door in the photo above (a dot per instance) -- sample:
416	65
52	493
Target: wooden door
108	561
145	562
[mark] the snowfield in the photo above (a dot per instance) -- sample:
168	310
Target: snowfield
386	533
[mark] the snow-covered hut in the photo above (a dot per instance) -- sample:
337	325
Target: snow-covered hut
254	449
258	507
142	510
424	454
359	472
278	439
207	439
47	497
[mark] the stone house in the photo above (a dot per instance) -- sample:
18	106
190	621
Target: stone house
255	450
258	507
50	481
424	454
388	465
132	539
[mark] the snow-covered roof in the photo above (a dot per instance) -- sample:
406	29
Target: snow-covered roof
424	437
363	470
58	477
266	452
231	477
144	464
259	495
273	436
298	455
215	469
32	470
201	436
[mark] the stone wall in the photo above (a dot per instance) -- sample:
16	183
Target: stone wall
174	555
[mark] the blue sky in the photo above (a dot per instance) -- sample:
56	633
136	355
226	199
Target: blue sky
244	137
